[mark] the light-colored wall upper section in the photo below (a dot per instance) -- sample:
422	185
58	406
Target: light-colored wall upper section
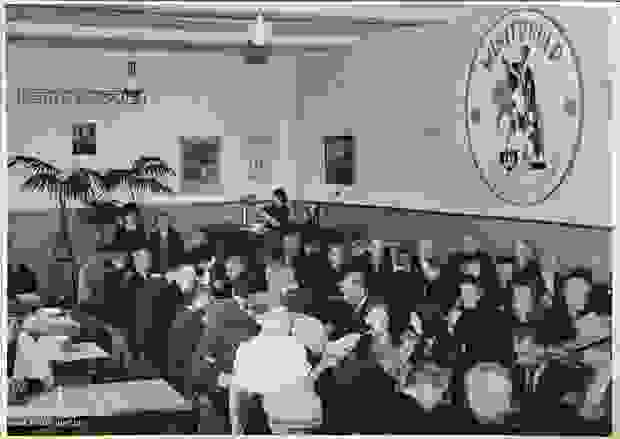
402	94
189	94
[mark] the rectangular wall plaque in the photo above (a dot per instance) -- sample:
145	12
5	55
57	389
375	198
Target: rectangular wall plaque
84	138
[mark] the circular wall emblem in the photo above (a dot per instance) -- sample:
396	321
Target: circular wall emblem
524	107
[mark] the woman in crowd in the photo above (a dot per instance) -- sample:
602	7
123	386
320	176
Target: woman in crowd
277	214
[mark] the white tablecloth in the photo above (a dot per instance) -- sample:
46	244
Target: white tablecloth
104	400
34	355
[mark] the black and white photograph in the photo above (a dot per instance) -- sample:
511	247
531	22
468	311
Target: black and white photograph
402	213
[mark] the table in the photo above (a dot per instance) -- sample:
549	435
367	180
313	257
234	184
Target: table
109	399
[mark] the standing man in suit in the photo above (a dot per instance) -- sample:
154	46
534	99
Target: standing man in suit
165	244
185	333
148	290
227	323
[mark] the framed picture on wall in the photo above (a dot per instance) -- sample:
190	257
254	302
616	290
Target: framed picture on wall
200	164
84	138
339	160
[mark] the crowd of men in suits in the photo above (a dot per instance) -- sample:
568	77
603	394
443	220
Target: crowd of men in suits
434	339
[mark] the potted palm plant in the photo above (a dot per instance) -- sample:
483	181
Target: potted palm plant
142	176
80	184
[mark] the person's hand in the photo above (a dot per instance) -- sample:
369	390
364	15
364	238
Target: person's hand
224	380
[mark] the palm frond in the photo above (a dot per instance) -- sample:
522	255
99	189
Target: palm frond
99	204
114	178
43	183
149	184
152	167
82	185
37	166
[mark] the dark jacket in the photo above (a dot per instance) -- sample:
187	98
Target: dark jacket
472	333
166	253
129	239
183	338
408	417
21	279
354	380
280	214
345	318
226	328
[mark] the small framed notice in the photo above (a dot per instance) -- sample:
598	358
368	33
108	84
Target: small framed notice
85	138
200	159
339	160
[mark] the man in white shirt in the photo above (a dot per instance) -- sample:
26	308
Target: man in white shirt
274	365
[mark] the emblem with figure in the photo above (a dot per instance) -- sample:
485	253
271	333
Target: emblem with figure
524	107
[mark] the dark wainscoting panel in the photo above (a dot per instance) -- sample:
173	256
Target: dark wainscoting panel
574	244
34	232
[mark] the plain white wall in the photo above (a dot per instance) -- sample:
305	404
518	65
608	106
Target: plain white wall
402	95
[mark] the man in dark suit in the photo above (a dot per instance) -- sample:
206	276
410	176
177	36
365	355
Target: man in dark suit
109	304
227	324
151	292
165	244
240	282
472	336
348	316
21	279
183	338
406	284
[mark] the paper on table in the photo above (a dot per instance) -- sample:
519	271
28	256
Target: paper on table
104	400
342	346
32	359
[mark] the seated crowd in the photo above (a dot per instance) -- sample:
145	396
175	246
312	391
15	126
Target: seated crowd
315	336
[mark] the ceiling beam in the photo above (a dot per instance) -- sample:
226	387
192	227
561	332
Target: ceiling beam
27	30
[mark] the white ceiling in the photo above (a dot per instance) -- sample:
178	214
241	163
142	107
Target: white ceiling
301	26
